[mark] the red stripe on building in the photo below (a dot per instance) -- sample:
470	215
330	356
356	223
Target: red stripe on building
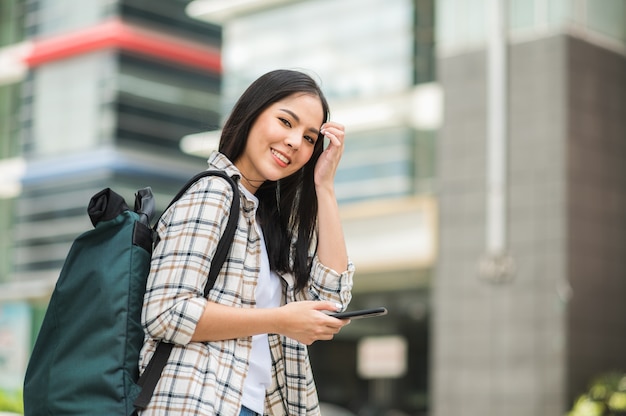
118	35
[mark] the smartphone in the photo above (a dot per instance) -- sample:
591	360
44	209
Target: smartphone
363	313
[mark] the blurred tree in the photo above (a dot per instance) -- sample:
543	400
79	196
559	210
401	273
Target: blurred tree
606	397
11	402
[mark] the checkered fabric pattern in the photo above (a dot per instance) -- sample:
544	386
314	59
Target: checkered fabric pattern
206	378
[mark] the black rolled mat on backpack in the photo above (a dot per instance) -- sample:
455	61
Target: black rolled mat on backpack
105	205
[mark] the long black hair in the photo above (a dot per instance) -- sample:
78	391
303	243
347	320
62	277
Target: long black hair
287	209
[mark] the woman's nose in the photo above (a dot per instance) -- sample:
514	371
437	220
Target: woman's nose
294	141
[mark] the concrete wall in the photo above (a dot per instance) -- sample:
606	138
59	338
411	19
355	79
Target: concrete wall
596	212
501	348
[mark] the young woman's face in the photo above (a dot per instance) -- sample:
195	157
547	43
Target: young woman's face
281	140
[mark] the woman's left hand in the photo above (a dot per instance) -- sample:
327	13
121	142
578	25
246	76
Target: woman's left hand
328	161
331	247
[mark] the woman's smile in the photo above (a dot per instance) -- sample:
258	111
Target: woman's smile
281	159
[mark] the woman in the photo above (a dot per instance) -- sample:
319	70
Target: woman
243	350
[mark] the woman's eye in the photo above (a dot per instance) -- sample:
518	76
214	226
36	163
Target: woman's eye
285	122
309	139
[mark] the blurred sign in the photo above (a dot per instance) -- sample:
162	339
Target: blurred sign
382	357
15	328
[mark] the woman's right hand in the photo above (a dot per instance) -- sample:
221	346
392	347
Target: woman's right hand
307	322
304	321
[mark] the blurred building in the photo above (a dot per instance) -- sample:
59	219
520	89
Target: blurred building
482	187
528	294
92	95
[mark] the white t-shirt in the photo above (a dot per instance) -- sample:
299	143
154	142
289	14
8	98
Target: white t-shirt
267	295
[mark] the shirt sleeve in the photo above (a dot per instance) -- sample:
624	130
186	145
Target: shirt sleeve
327	284
189	232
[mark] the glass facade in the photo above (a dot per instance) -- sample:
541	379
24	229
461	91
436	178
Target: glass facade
370	54
105	117
424	41
6	238
70	100
462	24
48	217
11	32
382	50
53	17
11	22
84	117
607	17
379	165
169	16
9	120
158	103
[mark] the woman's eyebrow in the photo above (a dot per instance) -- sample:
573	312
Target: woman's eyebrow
295	117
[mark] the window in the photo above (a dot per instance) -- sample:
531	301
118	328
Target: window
170	16
159	103
11	22
51	17
368	54
608	17
9	119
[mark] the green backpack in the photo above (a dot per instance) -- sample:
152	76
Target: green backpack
85	359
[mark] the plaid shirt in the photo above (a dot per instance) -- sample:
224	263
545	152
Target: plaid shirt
206	378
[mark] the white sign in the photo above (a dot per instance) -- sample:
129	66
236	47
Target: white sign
382	357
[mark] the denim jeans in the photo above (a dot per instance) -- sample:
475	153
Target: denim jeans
247	412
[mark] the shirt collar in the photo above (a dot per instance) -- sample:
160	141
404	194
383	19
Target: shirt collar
219	161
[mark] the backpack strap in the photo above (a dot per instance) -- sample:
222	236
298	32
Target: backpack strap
152	373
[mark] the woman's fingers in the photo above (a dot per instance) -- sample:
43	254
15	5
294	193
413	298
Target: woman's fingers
307	322
335	132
